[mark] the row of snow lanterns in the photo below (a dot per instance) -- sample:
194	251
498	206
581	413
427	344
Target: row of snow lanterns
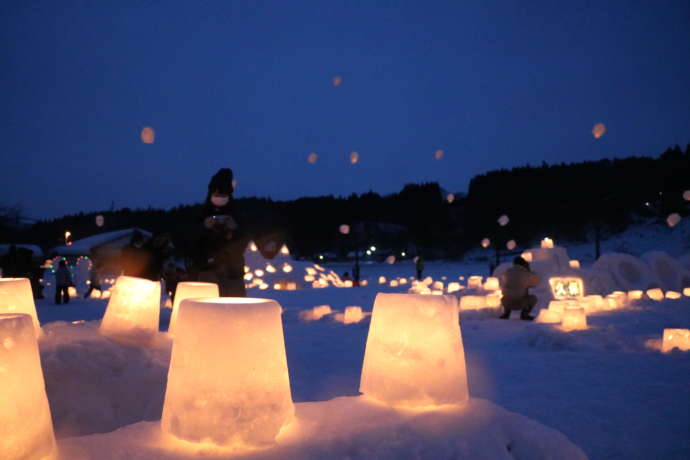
203	398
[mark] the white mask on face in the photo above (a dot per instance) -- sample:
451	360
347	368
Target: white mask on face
220	201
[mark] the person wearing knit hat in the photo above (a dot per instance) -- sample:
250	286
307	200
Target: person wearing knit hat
220	255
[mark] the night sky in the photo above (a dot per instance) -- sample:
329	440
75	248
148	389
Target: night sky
249	85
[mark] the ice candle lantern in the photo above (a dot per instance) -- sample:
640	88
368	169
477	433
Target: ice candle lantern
547	243
414	354
26	429
676	338
16	296
474	282
133	310
228	380
187	290
574	318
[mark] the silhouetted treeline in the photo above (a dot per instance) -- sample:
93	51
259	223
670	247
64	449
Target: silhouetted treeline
561	201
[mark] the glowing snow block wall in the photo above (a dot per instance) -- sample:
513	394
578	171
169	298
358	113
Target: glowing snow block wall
16	296
414	354
574	318
187	290
228	381
673	338
26	429
133	309
474	282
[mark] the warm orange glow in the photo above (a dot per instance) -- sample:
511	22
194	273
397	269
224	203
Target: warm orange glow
354	157
486	243
655	294
312	157
673	219
287	268
450	198
473	302
474	282
390	260
344	229
492	284
673	295
270	268
133	310
438	154
686	292
382	280
574	264
16	296
574	318
393	283
284	250
190	289
148	135
547	243
635	295
598	130
676	338
548	316
494	300
337	80
453	287
527	256
566	287
353	314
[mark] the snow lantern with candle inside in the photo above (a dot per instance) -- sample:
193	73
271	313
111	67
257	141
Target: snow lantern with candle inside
228	380
676	338
133	310
188	290
574	318
16	296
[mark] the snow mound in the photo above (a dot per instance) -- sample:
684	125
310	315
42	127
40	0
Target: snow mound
356	428
96	385
671	274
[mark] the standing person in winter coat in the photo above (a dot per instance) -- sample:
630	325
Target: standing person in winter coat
63	280
94	279
223	238
515	284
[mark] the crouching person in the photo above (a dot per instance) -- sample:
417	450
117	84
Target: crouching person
515	283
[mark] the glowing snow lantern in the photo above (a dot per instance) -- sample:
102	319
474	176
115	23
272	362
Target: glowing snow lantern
259	272
474	282
312	157
100	220
558	306
673	219
270	268
438	285
364	283
353	314
527	256
473	302
548	316
291	286
453	287
686	292
344	229
253	247
492	284
354	157
189	289
148	135
382	280
686	195
655	294
414	354
248	276
635	295
673	338
244	403
493	300
393	283
574	318
16	296
320	311
72	291
438	154
390	260
547	243
598	130
337	80
673	295
566	287
503	220
26	428
574	264
133	310
287	268
510	245
486	243
450	198
284	250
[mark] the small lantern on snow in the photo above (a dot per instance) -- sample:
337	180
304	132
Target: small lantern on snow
655	294
190	289
574	318
676	338
16	296
547	243
133	310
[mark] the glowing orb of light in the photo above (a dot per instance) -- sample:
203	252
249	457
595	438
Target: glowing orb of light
438	154
598	130
148	135
354	157
486	242
312	158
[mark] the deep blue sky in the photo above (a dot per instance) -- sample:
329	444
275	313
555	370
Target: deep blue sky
247	85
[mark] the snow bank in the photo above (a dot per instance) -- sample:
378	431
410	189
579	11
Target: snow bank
356	428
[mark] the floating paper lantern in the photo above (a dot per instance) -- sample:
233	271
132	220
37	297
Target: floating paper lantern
547	243
228	381
16	296
673	295
345	229
574	264
354	157
438	154
492	284
676	338
673	219
148	135
574	318
353	314
100	220
486	243
312	157
190	289
26	428
569	287
510	245
450	198
133	310
598	130
414	354
474	282
337	80
390	259
655	294
548	316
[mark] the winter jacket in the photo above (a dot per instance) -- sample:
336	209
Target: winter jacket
516	281
63	277
221	247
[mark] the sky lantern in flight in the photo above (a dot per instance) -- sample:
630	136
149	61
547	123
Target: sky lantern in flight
354	157
438	154
673	219
337	80
486	243
450	198
148	135
312	157
598	130
100	220
344	229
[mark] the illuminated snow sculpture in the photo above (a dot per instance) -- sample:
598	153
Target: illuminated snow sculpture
474	282
133	310
26	428
491	284
16	296
188	290
676	338
414	354
566	287
228	380
574	318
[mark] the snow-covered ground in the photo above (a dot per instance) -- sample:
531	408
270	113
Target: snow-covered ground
606	388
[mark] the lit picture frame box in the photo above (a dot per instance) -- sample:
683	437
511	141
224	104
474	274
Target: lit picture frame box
187	290
228	381
569	287
676	338
414	354
26	427
133	310
16	296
